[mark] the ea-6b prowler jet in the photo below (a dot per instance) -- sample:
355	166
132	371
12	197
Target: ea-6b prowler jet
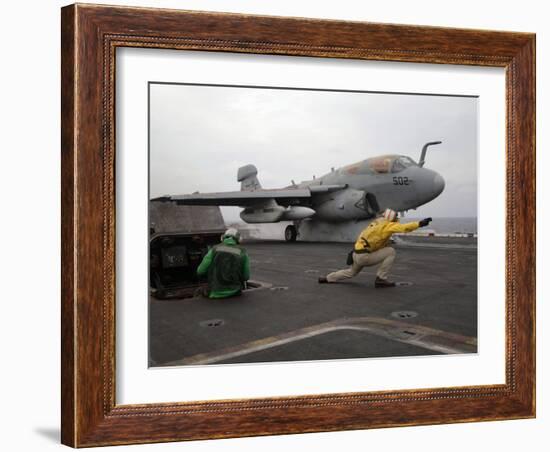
354	192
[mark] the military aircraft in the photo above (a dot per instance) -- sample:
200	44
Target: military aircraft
354	192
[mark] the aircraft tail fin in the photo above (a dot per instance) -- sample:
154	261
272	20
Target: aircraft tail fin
247	176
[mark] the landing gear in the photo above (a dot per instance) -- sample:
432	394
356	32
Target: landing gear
291	233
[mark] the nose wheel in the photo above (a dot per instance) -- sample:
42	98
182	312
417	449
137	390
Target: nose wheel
291	233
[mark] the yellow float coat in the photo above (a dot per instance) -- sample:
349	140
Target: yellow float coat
377	234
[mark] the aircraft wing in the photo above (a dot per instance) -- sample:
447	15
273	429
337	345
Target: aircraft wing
249	198
242	198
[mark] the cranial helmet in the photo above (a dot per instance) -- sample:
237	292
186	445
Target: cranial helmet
232	232
390	215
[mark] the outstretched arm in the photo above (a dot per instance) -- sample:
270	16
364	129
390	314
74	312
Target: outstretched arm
405	227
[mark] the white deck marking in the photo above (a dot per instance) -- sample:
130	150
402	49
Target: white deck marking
420	336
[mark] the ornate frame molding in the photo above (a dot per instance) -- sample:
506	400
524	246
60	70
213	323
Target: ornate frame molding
90	37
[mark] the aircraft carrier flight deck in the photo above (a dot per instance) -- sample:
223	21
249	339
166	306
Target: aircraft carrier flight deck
286	315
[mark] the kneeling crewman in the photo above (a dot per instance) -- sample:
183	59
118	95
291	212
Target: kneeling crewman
227	266
371	249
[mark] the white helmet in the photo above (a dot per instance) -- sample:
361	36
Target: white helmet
390	215
232	232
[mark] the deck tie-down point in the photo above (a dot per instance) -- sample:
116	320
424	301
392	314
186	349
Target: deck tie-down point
212	323
404	314
403	283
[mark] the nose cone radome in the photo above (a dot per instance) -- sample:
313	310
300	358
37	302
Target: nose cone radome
439	185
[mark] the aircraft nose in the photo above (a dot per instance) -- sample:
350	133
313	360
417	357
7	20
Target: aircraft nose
439	184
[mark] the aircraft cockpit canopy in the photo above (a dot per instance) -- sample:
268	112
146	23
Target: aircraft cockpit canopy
402	162
380	165
389	163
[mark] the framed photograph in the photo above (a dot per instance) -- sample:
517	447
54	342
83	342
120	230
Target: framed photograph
281	225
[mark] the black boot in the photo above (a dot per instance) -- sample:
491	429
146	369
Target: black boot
322	280
379	282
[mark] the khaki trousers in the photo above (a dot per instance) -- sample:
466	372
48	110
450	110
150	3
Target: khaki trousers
385	255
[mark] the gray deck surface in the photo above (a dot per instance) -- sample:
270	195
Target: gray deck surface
300	319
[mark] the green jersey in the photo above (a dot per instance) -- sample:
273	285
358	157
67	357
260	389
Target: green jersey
227	266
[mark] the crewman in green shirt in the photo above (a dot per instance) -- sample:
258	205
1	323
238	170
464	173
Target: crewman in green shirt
227	266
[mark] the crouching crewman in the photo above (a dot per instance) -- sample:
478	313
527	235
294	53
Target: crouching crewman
227	266
371	248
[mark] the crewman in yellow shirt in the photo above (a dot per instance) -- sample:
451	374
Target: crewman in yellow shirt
371	248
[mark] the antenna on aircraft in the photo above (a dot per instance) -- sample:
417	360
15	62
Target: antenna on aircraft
423	153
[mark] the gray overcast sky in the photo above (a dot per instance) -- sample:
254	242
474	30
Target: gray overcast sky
201	135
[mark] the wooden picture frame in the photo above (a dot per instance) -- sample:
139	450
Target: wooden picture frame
90	36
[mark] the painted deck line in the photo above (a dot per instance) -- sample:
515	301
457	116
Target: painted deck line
420	336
